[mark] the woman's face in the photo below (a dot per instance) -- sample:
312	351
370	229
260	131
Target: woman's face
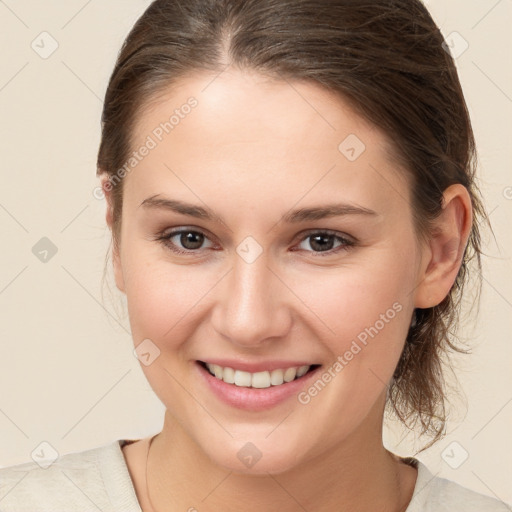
307	256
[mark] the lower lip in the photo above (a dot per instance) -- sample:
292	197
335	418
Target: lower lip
254	399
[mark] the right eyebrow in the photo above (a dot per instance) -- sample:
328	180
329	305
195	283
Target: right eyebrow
181	207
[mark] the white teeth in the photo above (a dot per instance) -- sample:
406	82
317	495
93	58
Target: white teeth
276	377
302	370
263	379
290	374
242	379
228	375
217	370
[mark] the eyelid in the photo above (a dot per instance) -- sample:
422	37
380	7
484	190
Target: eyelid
345	236
180	229
347	242
166	235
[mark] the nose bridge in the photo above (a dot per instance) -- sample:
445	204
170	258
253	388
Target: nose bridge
251	308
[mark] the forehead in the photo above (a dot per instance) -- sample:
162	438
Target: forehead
236	106
249	130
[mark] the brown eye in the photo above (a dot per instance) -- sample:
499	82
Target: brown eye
325	242
191	240
184	241
321	242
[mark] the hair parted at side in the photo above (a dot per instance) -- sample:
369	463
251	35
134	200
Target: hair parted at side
385	57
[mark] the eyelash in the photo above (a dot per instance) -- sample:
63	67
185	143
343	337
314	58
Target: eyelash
346	243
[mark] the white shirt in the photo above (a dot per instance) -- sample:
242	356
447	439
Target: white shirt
98	480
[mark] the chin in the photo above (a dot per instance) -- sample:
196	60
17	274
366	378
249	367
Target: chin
255	458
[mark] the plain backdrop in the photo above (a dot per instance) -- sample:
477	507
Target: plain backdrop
68	375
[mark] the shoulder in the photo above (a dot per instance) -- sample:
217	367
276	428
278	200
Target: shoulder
92	479
436	494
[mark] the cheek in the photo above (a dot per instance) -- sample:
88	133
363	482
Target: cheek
363	316
162	296
362	308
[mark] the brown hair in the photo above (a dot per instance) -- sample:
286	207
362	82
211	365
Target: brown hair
386	58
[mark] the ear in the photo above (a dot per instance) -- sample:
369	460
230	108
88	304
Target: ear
106	186
445	249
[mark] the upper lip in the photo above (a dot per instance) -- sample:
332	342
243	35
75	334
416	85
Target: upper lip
259	366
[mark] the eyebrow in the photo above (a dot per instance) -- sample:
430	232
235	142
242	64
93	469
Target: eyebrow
295	216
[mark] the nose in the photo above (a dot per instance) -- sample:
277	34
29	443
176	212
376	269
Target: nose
251	308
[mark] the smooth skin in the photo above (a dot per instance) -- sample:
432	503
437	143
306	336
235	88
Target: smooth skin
251	151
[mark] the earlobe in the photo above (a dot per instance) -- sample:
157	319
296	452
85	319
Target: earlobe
446	247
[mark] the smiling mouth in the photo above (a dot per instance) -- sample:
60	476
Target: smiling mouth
263	379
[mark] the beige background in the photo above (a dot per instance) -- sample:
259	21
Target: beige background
67	372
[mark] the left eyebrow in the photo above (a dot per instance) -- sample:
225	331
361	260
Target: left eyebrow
322	212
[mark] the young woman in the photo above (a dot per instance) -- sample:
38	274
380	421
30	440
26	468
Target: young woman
290	189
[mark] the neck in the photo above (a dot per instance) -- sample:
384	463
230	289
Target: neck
360	474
